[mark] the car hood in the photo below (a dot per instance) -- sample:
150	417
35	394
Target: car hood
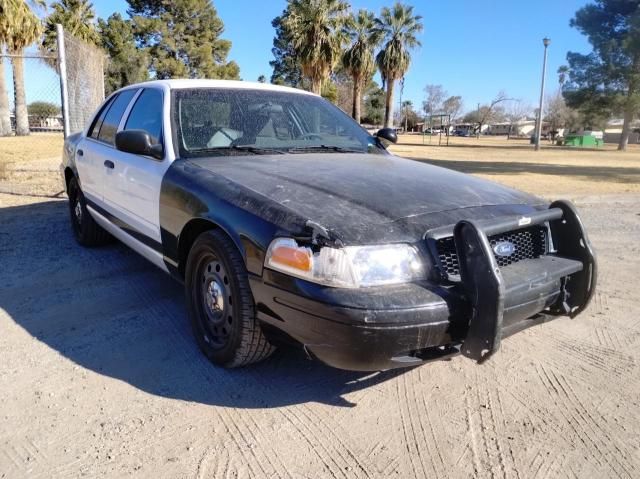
368	195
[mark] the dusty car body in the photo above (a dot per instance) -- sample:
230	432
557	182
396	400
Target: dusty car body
290	227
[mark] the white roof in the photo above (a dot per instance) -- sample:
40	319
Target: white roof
201	83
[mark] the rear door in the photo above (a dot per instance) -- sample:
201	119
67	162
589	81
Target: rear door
87	161
140	177
95	153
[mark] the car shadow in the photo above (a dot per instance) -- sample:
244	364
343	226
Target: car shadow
109	311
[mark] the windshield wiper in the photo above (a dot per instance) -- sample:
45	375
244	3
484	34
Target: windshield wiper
256	150
337	149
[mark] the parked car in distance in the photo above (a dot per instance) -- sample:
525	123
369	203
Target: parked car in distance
289	224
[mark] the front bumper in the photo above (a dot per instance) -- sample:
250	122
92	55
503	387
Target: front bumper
397	326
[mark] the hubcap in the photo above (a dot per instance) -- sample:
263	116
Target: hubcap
216	302
215	297
78	211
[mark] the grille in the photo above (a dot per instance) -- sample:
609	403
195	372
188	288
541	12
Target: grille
529	243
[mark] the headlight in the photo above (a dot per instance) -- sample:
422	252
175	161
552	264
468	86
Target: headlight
347	267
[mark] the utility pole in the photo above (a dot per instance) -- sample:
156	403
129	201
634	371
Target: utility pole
545	42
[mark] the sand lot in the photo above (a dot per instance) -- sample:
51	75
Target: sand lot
99	375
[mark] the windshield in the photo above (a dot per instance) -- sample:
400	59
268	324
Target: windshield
227	121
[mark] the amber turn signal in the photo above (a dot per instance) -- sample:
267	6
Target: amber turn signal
292	257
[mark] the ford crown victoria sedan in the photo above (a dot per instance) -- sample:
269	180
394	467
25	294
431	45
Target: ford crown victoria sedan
288	223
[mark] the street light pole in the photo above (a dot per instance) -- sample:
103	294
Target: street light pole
545	42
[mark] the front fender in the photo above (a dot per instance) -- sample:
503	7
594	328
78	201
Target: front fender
189	193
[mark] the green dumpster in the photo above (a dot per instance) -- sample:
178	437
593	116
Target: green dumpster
583	141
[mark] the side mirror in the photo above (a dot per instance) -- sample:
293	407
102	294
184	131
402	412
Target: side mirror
387	135
138	142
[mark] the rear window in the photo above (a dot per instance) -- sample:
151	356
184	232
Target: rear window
97	123
109	126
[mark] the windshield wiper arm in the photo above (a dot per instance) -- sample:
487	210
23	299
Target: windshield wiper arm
338	149
256	150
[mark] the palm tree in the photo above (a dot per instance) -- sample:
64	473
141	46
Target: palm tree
5	25
20	28
315	30
77	18
358	60
399	26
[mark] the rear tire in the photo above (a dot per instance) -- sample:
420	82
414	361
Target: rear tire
220	304
86	231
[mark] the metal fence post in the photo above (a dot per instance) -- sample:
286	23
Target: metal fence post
62	66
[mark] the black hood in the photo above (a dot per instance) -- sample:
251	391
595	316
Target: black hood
368	197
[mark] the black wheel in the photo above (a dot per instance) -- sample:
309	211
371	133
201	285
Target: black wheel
85	229
220	303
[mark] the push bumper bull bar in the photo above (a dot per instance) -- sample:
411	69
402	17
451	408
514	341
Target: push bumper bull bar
572	265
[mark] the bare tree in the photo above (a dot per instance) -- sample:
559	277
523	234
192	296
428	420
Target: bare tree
491	112
558	114
452	106
434	96
516	111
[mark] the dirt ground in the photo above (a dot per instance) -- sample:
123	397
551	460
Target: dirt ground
99	375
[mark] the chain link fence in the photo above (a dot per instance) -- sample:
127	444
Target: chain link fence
42	97
84	79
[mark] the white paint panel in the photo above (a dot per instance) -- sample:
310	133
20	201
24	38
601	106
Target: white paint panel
140	248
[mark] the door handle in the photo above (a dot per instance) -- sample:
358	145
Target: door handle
109	164
80	152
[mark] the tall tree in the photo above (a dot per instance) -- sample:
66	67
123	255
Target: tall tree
286	67
400	27
19	28
182	38
77	18
434	97
315	27
126	63
374	99
358	59
563	71
452	106
608	78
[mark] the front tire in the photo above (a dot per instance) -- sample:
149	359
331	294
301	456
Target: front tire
220	304
86	231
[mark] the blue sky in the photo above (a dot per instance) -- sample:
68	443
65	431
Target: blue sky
474	49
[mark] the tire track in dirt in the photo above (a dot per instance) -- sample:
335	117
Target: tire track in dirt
414	434
235	423
585	358
319	448
577	415
604	436
433	443
505	451
345	450
309	435
539	410
473	437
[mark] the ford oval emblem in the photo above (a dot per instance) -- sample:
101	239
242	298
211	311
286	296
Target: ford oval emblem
504	248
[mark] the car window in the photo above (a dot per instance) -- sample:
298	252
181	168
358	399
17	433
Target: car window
223	121
114	114
97	123
146	114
